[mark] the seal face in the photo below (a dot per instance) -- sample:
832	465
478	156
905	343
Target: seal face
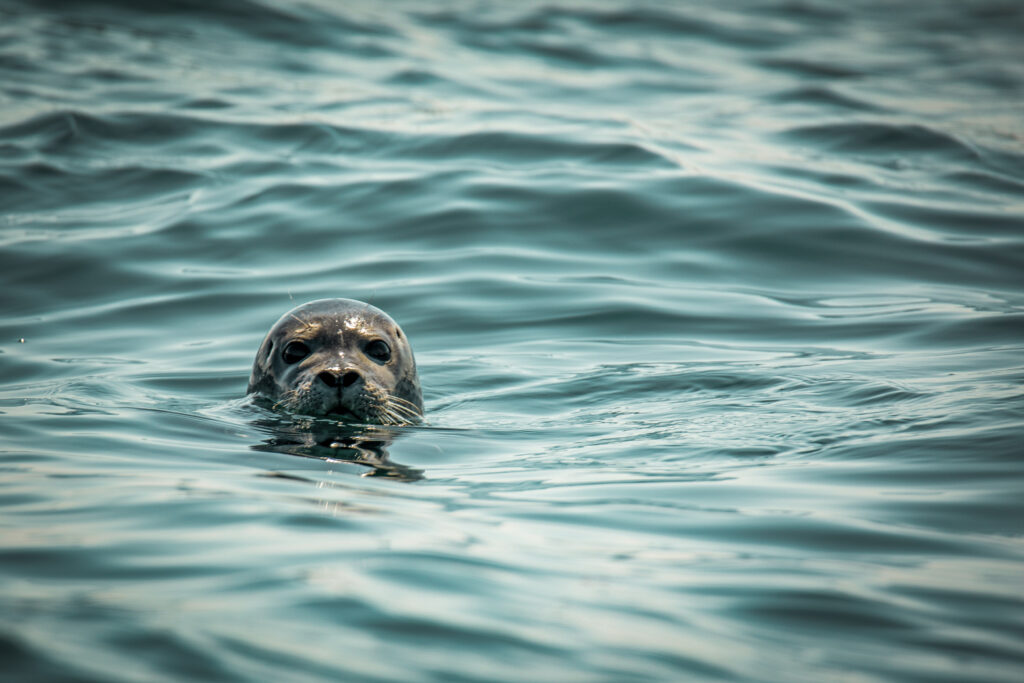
339	357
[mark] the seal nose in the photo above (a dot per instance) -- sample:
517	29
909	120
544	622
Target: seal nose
330	378
334	379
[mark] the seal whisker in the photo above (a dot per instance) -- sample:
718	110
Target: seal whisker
398	404
390	415
403	402
409	418
389	418
398	415
408	412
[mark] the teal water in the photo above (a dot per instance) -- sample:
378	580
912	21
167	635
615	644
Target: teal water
718	313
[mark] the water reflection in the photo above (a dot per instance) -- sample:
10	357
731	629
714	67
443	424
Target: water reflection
334	441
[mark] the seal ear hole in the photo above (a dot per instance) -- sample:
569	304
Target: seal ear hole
294	351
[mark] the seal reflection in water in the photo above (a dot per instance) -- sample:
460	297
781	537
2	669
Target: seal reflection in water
339	358
365	446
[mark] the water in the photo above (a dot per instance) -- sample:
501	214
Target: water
718	313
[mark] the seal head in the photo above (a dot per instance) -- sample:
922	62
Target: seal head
339	357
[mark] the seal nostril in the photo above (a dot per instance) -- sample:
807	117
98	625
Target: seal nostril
329	378
349	378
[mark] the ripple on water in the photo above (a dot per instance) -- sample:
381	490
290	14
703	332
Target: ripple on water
717	312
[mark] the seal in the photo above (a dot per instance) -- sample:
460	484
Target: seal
339	357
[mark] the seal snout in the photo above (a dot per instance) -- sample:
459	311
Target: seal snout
335	378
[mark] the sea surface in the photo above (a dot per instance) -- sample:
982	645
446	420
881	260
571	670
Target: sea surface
718	310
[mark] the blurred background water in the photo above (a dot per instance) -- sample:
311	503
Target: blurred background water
718	312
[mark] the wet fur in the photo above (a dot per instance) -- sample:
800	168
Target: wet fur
384	393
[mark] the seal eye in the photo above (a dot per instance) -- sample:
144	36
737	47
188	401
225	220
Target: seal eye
378	350
294	352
